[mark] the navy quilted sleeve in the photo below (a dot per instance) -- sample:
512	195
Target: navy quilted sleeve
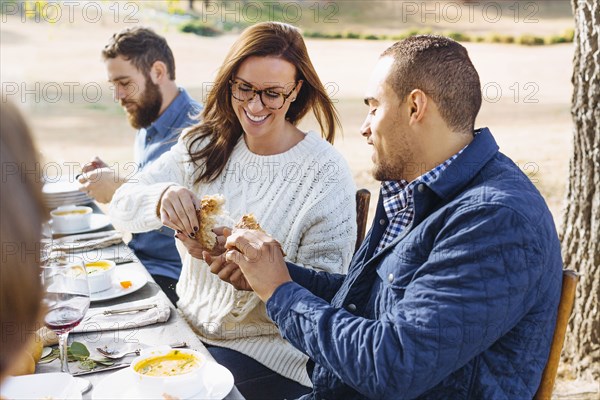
320	283
483	274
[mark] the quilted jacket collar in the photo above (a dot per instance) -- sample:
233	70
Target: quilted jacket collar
438	192
468	164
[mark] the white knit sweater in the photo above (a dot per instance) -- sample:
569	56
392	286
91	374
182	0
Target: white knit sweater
304	198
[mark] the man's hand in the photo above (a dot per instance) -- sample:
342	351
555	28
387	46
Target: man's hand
100	184
259	258
228	272
95	163
195	249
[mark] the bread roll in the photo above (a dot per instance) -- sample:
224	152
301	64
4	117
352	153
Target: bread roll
211	207
211	210
248	221
49	337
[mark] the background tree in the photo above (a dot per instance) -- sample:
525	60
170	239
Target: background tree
580	234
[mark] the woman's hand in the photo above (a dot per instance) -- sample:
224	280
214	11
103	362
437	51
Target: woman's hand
178	207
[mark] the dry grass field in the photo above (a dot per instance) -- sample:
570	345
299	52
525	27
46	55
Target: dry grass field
55	72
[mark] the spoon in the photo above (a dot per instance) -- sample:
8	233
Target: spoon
114	354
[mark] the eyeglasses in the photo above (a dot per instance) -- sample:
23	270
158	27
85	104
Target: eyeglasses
270	98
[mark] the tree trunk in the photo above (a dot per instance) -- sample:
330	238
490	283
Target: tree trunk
580	234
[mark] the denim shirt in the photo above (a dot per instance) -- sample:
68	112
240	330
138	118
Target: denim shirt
156	249
461	305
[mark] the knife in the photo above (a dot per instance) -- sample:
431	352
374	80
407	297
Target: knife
121	311
121	260
109	368
88	237
130	309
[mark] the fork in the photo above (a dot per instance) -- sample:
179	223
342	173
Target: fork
121	311
116	354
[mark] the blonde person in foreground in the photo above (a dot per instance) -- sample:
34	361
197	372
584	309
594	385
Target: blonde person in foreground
22	212
248	148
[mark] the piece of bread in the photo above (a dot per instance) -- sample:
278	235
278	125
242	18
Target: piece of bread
49	338
211	207
248	221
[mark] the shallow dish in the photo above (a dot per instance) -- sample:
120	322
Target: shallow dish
138	280
216	380
100	275
166	371
71	218
97	221
53	385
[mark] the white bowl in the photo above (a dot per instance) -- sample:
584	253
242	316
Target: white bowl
185	382
100	275
71	218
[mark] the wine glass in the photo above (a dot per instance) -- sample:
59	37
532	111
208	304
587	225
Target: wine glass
67	299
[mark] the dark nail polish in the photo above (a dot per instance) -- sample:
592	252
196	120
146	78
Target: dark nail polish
196	229
192	235
179	232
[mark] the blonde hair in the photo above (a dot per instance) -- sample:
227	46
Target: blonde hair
22	212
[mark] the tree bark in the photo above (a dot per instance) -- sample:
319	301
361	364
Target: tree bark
580	234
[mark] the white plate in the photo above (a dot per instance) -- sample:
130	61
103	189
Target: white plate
98	221
138	280
62	196
61	186
79	198
217	379
53	385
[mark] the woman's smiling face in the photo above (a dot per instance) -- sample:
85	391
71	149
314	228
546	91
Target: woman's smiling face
279	77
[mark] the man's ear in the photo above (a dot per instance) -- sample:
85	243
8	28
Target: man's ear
418	103
159	72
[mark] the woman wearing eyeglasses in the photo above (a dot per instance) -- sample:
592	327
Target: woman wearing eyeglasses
249	148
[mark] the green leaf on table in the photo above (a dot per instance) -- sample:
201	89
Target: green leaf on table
92	363
87	364
102	361
54	354
78	352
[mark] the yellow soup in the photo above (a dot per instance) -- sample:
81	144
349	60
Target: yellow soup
72	212
170	364
97	266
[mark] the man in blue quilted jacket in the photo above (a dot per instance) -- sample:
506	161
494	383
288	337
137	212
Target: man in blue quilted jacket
454	292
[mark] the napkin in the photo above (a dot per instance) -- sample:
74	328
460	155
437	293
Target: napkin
95	320
88	241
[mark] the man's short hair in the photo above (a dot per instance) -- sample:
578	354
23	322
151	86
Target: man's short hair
143	47
441	68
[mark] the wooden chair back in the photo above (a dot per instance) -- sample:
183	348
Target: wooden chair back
565	307
363	197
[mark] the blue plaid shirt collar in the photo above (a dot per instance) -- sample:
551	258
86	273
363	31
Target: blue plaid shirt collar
398	201
397	195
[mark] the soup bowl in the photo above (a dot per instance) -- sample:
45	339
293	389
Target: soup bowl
163	371
100	275
71	218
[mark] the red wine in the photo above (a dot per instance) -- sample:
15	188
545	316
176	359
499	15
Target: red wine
63	319
67	313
